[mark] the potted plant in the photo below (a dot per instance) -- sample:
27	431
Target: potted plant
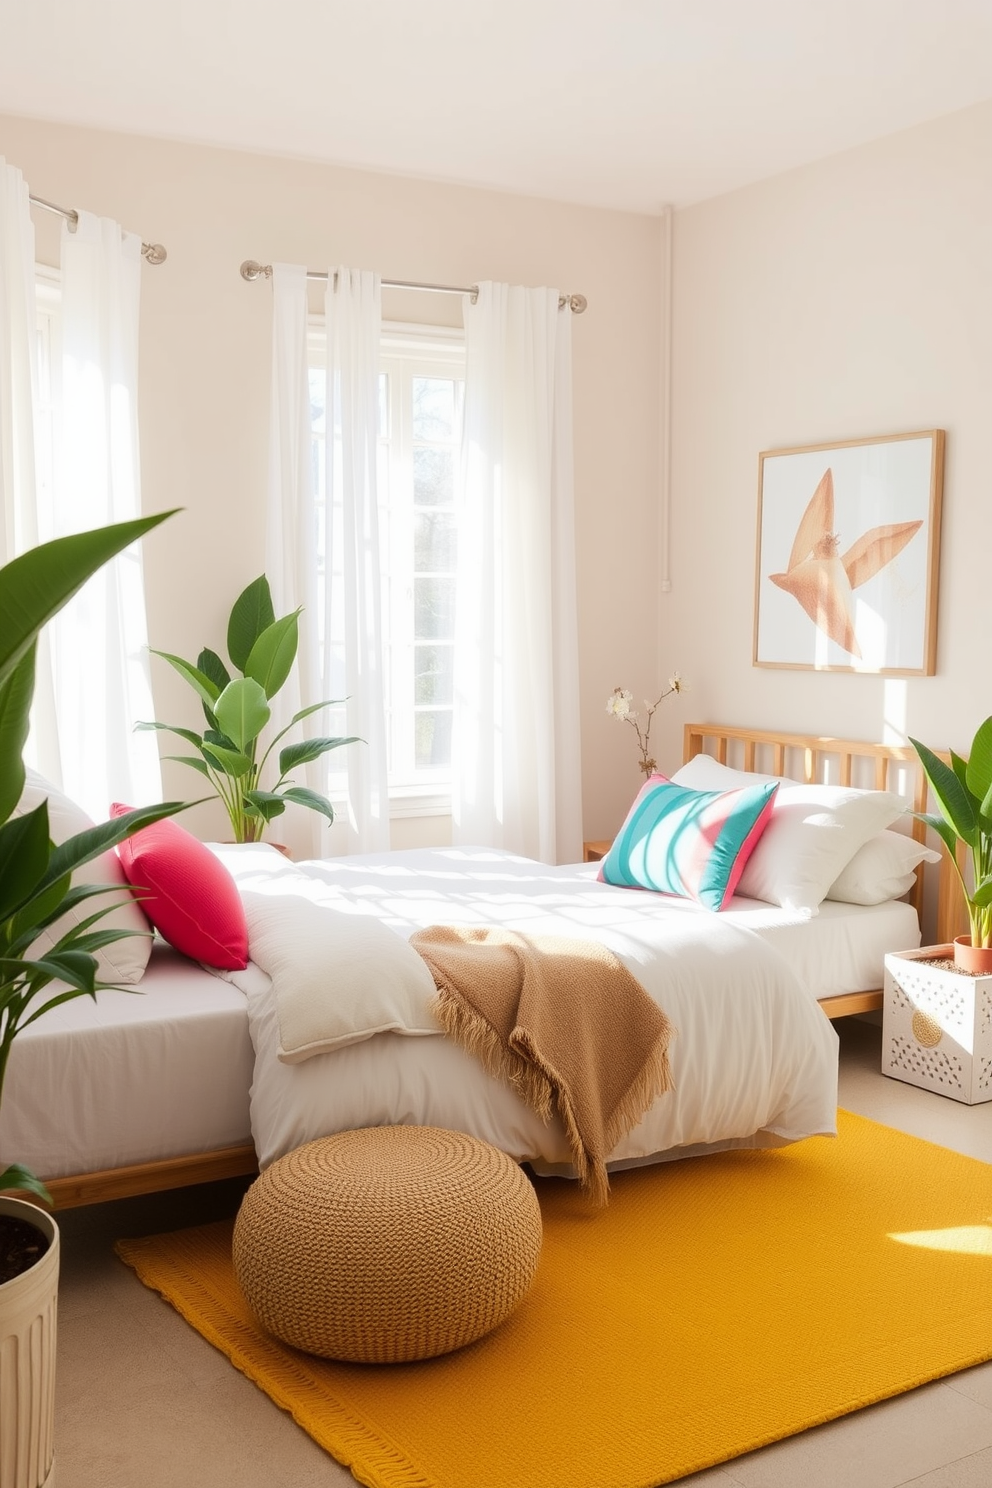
262	650
36	889
962	790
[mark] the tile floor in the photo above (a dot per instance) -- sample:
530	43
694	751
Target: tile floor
144	1402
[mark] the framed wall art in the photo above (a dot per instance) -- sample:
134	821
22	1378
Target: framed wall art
848	548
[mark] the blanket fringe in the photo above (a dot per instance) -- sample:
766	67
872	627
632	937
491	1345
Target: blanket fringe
541	1087
469	1029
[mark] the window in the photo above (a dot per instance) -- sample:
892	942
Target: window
421	395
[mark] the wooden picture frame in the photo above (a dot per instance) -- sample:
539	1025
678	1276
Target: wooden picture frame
847	555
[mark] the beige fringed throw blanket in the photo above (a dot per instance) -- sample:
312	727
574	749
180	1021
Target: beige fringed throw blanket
563	1021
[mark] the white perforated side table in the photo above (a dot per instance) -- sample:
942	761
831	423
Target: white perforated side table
937	1026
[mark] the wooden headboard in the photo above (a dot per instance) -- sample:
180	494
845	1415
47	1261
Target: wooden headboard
893	767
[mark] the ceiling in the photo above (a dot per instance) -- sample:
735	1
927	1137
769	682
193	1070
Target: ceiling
628	104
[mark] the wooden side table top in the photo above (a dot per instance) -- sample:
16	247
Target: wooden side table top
593	851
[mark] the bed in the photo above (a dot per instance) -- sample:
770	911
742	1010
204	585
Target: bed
158	1091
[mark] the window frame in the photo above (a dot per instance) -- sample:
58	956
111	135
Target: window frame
407	349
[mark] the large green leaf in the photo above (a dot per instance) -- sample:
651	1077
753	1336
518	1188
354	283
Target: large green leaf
310	799
979	772
950	795
242	712
314	708
35	586
86	846
944	830
18	1179
310	749
266	804
228	761
210	664
271	658
199	681
251	615
77	968
24	854
982	895
38	911
194	763
170	728
16	692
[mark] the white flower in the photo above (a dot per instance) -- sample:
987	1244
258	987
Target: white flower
619	701
676	683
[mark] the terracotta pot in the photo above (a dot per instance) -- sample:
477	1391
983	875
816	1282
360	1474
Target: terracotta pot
976	959
27	1343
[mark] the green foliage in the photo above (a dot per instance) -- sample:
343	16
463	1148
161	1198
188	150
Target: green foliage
262	651
36	886
962	790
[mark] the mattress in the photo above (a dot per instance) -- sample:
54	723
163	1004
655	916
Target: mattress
161	1071
166	1070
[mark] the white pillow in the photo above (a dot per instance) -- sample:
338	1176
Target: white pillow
885	868
337	978
124	960
813	833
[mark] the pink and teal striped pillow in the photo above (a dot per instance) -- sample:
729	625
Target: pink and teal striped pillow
687	842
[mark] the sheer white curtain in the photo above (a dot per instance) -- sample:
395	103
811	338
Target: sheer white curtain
18	402
516	730
18	369
341	625
99	641
291	536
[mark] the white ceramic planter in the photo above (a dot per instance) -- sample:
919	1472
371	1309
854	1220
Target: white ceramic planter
937	1026
27	1362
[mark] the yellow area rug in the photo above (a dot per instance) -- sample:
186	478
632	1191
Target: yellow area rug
717	1304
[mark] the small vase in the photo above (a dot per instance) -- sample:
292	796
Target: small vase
968	957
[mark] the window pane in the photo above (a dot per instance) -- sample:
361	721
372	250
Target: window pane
434	542
433	477
435	674
433	740
433	408
433	609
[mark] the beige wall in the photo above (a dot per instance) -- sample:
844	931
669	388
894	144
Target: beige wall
850	298
205	347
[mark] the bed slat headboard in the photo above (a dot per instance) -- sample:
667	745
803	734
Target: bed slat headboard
893	767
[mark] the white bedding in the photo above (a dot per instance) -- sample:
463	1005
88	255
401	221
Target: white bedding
164	1071
754	1061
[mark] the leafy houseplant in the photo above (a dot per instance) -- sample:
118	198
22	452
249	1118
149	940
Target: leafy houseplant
36	886
36	890
963	793
262	650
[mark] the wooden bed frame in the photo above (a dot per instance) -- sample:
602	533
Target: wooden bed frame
800	756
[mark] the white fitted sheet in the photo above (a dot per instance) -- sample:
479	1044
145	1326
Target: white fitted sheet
132	1077
166	1070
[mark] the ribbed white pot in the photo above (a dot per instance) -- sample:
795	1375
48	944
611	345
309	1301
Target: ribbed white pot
27	1361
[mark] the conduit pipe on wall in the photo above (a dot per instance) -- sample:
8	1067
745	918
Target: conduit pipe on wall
665	420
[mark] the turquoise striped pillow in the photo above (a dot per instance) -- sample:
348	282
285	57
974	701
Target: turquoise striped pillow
687	842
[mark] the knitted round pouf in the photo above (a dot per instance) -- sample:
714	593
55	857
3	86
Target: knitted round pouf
387	1244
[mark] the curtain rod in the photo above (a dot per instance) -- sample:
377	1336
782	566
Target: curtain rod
251	270
153	253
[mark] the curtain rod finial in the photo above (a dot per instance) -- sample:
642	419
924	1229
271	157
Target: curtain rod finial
153	253
252	270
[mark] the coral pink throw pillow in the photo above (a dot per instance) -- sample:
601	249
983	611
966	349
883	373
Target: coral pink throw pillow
186	892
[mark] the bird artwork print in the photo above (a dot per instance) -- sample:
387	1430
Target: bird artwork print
822	579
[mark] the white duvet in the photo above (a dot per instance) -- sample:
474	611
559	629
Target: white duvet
754	1060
